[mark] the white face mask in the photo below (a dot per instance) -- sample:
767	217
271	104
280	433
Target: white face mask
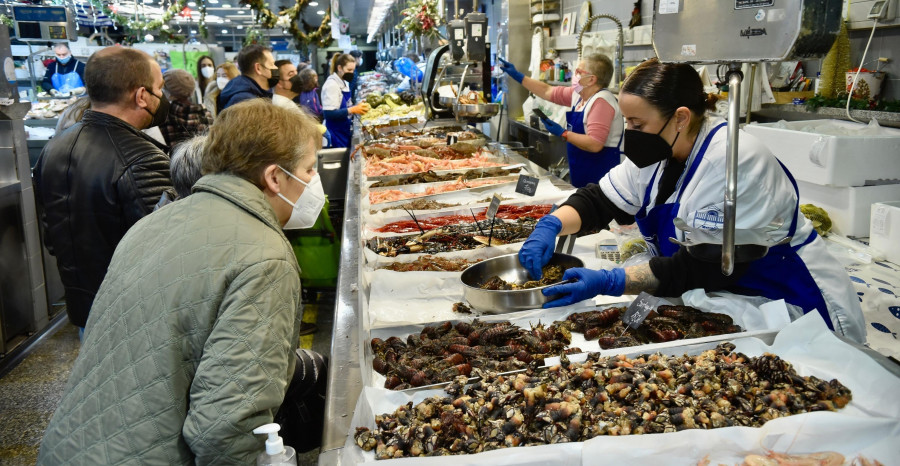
221	82
308	206
207	71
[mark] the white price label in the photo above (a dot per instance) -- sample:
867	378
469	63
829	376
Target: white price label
880	220
668	7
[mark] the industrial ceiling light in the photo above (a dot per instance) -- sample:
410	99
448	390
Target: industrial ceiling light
240	12
226	6
240	27
313	3
321	12
224	31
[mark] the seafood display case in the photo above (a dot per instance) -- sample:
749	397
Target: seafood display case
400	335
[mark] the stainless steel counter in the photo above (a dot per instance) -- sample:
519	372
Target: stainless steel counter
344	376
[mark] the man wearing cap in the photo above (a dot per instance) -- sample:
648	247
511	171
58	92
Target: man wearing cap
186	119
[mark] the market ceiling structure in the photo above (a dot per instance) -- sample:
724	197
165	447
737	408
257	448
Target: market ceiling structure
228	20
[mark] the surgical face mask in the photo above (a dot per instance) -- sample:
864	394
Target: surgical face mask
162	111
347	76
64	60
207	71
645	149
308	206
221	82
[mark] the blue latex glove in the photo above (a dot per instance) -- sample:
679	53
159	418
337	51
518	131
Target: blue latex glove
588	283
511	70
553	128
538	248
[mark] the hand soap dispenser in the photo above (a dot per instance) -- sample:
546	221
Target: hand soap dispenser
276	453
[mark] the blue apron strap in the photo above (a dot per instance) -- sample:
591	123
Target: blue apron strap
643	210
693	168
793	228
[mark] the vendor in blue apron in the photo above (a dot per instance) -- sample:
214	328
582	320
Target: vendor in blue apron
65	74
337	104
676	168
594	125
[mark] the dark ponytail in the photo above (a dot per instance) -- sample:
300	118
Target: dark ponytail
668	86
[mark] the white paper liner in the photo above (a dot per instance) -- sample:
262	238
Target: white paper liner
869	424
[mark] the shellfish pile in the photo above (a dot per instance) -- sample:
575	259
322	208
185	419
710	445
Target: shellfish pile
576	401
443	352
667	323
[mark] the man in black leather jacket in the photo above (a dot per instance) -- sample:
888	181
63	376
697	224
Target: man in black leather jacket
99	177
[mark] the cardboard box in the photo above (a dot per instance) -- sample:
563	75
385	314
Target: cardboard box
884	231
788	97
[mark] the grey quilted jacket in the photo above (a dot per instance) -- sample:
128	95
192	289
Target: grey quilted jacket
189	343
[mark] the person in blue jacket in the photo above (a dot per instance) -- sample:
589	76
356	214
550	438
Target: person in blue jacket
258	76
337	103
65	73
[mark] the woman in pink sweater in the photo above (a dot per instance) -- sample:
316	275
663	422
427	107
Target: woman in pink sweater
594	125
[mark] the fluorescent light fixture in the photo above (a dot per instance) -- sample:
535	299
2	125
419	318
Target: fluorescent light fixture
226	6
321	12
224	31
214	2
313	3
240	12
240	27
193	31
192	4
227	20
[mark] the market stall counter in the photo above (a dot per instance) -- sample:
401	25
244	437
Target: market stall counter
419	211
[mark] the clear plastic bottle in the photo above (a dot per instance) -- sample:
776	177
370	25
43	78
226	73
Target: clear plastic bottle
276	453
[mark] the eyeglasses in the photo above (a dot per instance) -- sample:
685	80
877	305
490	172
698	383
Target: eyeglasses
582	73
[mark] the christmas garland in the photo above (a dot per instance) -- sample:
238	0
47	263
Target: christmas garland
290	19
421	18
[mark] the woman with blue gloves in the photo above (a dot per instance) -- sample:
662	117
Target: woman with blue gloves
676	168
593	126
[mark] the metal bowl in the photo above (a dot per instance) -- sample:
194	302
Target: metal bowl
508	268
476	110
446	101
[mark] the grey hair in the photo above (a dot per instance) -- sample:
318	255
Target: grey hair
185	164
600	66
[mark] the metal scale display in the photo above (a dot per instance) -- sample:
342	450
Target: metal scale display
733	32
466	66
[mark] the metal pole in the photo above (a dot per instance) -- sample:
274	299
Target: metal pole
731	164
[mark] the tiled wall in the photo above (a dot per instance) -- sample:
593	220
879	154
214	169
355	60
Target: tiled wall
885	43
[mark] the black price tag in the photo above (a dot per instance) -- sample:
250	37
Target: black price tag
494	207
527	185
639	309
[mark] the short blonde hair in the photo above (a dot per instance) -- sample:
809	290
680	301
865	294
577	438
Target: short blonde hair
600	66
248	137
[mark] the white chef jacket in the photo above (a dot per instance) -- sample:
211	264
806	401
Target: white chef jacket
333	92
764	194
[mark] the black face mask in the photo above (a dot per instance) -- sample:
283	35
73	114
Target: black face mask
348	76
296	84
645	149
161	114
276	76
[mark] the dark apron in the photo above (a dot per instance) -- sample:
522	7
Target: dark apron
588	167
781	274
341	131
